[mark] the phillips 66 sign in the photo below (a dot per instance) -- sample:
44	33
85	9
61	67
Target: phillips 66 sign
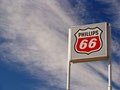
89	42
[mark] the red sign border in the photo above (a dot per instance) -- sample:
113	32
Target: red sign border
92	51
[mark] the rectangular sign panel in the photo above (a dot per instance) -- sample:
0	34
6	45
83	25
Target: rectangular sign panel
90	42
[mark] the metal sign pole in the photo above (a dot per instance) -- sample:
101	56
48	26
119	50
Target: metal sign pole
68	75
110	74
109	61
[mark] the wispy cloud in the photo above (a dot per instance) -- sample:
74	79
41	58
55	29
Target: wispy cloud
37	37
116	46
113	9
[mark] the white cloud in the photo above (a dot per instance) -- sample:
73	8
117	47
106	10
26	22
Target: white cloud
116	47
37	33
113	9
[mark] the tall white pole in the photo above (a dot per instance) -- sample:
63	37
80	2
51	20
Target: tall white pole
68	75
110	74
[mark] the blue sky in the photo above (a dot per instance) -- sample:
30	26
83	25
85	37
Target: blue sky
34	39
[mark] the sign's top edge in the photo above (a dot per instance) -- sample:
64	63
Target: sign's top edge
89	24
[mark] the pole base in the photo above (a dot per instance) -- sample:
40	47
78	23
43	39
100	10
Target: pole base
109	87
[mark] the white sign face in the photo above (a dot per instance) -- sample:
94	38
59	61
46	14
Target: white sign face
89	42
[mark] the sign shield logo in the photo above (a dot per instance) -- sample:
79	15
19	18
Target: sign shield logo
88	40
